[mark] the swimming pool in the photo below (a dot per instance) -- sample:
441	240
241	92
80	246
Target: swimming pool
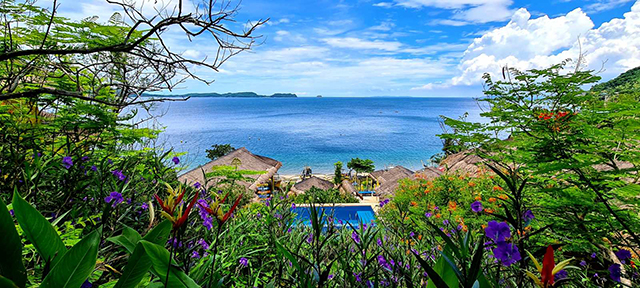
342	215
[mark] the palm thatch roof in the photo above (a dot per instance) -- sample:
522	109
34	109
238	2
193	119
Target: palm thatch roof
464	162
389	179
248	161
306	184
428	173
347	188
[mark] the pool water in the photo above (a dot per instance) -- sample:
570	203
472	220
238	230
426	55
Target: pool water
342	215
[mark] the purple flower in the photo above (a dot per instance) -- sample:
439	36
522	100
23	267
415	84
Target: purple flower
118	173
476	206
114	197
310	238
528	216
67	162
383	262
593	255
583	263
195	254
197	185
507	253
84	158
615	272
267	202
129	201
293	205
203	244
355	237
244	262
411	235
144	206
110	162
445	222
623	254
379	242
258	215
436	208
562	274
86	284
384	202
11	212
357	275
94	168
428	214
498	231
176	160
330	276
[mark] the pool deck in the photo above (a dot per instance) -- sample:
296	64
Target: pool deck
372	201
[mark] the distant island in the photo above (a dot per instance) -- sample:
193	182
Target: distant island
227	95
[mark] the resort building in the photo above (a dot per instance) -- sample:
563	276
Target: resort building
387	179
241	160
313	181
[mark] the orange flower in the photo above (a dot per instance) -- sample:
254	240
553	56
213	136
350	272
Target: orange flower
438	215
452	205
503	197
471	184
419	237
497	188
413	203
488	210
561	114
483	226
426	191
492	200
478	198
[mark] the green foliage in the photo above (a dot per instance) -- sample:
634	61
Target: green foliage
11	265
317	195
76	265
625	81
361	165
219	150
337	176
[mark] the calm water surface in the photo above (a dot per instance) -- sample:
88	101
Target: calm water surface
314	132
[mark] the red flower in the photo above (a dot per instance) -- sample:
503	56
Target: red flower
547	267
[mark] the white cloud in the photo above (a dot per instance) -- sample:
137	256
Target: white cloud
356	43
465	11
384	26
526	43
383	4
603	5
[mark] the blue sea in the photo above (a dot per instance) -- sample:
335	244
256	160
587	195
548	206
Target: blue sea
315	132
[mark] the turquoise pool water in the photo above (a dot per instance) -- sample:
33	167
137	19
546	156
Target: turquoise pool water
341	215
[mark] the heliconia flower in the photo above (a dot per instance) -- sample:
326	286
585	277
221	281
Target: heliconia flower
548	270
67	162
176	160
476	206
173	201
215	210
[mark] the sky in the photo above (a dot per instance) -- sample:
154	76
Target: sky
420	48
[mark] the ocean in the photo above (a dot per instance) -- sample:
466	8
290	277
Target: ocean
315	132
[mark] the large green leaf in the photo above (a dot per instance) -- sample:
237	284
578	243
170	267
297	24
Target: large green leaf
128	239
11	265
446	273
38	231
160	261
6	283
139	262
76	265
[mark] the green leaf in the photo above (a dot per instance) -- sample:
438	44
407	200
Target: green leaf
434	278
11	253
288	255
139	262
76	265
6	283
476	265
38	231
160	262
447	275
128	239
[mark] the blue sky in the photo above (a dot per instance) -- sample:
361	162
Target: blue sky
408	47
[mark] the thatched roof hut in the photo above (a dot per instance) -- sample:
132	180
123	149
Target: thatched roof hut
347	188
464	162
306	184
248	161
389	178
428	173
